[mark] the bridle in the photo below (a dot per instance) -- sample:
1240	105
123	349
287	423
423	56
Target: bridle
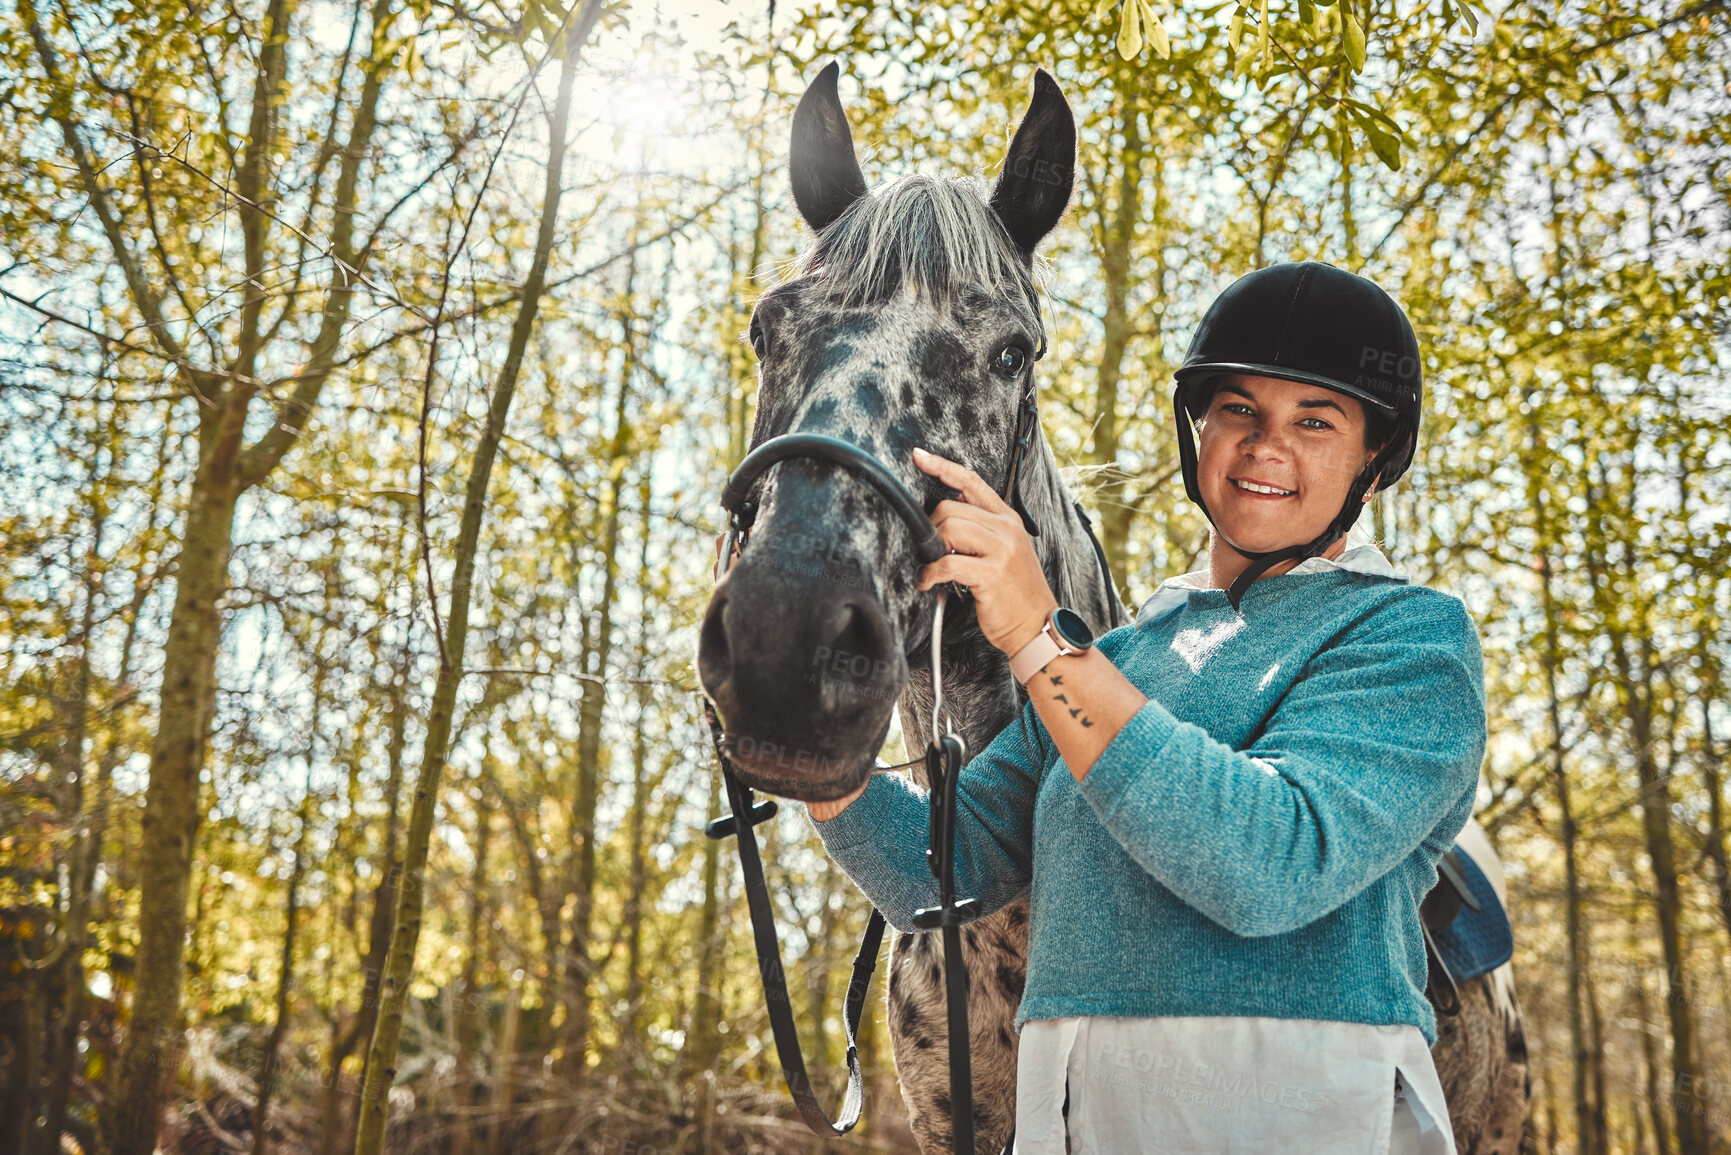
944	756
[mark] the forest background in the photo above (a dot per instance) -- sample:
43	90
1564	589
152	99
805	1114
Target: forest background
368	373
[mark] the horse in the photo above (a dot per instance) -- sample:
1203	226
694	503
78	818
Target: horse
894	330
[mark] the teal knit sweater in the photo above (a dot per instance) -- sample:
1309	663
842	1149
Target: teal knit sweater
1257	838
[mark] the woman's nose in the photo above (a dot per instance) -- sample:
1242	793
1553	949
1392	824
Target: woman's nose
1265	444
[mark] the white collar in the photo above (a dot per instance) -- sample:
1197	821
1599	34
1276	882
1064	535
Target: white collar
1364	558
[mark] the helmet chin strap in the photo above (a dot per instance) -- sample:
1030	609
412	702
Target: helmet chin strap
1261	563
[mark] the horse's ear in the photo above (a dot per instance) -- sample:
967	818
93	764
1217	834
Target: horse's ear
1034	188
825	176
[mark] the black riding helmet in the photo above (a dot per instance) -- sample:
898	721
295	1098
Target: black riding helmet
1319	325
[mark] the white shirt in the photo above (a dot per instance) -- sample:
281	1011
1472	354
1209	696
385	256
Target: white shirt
1363	558
1175	1085
1229	1084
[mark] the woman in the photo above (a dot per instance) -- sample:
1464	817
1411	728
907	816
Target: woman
1228	812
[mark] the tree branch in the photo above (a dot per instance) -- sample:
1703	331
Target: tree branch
138	286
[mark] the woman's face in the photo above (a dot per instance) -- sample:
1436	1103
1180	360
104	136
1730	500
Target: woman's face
1276	459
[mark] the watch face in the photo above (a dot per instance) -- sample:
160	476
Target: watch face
1071	629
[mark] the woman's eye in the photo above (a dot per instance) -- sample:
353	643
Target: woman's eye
759	345
1010	361
1237	407
1315	423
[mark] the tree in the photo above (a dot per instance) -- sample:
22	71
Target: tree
381	1061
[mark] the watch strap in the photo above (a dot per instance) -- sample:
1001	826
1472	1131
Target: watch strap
1033	657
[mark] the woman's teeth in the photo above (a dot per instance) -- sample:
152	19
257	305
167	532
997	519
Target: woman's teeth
1252	487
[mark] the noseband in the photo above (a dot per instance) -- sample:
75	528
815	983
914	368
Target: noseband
945	753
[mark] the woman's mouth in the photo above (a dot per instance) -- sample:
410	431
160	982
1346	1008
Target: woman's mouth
1259	489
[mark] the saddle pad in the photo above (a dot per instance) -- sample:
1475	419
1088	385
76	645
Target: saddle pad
1475	942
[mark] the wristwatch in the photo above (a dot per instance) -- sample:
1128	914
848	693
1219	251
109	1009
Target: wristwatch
1064	633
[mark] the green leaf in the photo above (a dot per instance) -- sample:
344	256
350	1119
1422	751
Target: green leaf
1264	47
1373	111
1385	144
1130	31
533	22
1103	7
1235	31
1156	31
1352	39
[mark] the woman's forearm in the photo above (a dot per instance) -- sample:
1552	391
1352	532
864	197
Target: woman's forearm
1084	700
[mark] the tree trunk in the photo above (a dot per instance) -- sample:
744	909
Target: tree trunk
1116	240
505	1065
267	1067
1582	1060
1599	1124
1649	1058
1708	675
1713	783
703	1048
334	1124
469	1010
151	1051
399	964
1635	692
639	770
579	965
65	988
1692	1136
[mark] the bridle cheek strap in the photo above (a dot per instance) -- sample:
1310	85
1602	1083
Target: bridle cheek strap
1026	415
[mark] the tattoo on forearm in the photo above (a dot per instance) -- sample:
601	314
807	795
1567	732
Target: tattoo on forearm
1075	711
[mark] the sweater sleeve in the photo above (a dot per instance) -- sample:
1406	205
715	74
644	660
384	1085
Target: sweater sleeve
881	839
1373	746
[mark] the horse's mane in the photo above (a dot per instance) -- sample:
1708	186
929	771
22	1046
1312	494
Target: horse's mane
935	235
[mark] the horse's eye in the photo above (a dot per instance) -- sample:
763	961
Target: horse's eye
1010	361
759	345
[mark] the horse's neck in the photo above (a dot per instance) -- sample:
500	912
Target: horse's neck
979	692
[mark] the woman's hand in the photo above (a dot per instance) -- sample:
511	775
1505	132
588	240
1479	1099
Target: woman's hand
991	554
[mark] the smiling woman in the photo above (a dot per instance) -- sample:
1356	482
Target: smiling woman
1224	880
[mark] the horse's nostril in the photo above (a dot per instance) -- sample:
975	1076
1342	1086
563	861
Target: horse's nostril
861	644
855	637
714	655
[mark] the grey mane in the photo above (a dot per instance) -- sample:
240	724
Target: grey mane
934	235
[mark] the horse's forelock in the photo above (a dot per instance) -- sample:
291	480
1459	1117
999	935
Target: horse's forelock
937	237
